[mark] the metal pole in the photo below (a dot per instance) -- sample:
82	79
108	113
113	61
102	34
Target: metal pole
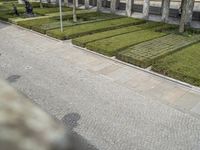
61	22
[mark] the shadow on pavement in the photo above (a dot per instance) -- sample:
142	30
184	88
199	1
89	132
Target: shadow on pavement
3	24
77	141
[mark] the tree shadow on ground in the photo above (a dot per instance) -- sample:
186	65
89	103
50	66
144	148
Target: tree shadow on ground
3	25
77	141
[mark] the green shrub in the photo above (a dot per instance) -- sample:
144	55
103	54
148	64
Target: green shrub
110	46
82	41
183	65
79	30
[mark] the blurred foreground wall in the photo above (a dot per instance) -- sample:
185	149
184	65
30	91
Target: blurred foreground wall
24	126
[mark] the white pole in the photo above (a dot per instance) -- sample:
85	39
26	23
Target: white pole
61	23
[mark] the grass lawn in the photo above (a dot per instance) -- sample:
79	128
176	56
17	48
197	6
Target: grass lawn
68	21
6	11
89	28
144	54
111	46
44	11
82	41
39	21
183	65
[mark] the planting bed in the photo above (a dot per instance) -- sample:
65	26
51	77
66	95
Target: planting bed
45	11
111	46
68	21
182	65
144	54
89	28
82	41
54	17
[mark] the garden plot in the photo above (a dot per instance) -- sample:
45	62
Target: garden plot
82	41
68	21
39	21
182	65
45	11
89	28
144	54
111	46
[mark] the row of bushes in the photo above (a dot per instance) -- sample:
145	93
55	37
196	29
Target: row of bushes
89	28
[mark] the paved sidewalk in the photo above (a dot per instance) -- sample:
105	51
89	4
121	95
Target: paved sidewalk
111	105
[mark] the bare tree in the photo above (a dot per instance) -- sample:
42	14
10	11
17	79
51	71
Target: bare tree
74	11
66	2
183	16
41	6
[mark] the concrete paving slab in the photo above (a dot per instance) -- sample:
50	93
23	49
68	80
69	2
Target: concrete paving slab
188	101
122	75
109	69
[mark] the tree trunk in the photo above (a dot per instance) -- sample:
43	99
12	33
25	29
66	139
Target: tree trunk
99	5
87	4
146	9
162	3
93	2
165	10
190	6
183	17
76	3
113	6
129	7
41	6
20	1
66	3
74	11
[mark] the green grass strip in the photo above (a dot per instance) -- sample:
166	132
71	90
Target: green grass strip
82	41
111	46
44	11
68	21
80	30
144	54
183	65
29	23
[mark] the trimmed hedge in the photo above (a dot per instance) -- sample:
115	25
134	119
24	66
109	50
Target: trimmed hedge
82	41
89	28
68	21
111	46
183	65
146	53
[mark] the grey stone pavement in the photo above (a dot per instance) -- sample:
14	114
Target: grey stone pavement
110	105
